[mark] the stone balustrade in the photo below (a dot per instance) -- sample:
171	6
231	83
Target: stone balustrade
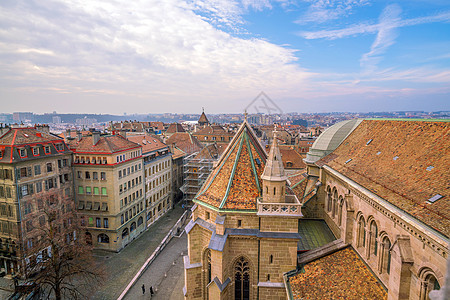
279	209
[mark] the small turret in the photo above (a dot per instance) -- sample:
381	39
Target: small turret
273	177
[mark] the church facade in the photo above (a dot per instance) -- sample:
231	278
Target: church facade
244	230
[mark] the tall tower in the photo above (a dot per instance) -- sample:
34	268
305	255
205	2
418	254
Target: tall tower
273	178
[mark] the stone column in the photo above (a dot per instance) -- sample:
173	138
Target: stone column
349	220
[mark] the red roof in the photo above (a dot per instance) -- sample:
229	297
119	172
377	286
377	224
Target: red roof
106	144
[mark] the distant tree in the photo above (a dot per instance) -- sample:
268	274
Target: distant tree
300	122
63	264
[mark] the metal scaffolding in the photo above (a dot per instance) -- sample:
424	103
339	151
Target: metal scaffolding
195	170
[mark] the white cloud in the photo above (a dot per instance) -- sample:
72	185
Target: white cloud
321	11
143	49
386	35
364	28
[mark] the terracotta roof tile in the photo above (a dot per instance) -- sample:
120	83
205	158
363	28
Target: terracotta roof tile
185	141
292	159
394	165
233	183
148	142
340	275
175	127
106	144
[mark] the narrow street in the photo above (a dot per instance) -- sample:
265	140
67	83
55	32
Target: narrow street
121	267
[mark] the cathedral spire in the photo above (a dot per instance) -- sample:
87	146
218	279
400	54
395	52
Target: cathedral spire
274	170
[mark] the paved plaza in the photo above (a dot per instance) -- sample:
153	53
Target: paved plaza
121	267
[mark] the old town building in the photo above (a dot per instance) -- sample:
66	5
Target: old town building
382	187
35	171
244	230
157	176
109	183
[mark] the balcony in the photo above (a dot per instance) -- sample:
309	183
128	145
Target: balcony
291	208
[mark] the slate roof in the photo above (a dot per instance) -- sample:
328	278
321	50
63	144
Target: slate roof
404	162
235	182
340	275
185	141
106	144
314	233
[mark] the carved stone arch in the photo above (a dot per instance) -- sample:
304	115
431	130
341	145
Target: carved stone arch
329	200
385	243
427	267
335	202
428	281
373	231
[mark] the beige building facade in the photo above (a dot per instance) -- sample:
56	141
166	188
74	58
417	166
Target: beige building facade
109	184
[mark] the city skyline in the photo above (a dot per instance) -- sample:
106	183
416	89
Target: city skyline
146	56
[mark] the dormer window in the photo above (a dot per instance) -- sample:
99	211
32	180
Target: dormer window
35	151
47	149
1	154
59	147
22	152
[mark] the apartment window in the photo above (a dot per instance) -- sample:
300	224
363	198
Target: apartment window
126	216
38	187
37	170
120	188
49	167
65	162
95	175
23	172
239	223
29	225
59	164
87	175
88	190
91	222
35	151
103	176
96	191
104	191
121	219
80	190
98	223
59	147
105	223
79	175
120	174
22	152
47	149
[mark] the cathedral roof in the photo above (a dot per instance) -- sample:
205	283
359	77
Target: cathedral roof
235	182
404	162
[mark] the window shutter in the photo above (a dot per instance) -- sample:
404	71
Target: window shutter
46	185
30	189
29	174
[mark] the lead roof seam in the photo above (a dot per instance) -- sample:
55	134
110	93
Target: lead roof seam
253	163
230	181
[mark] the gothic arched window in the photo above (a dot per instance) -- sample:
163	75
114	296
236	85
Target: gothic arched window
361	232
329	200
242	280
429	283
386	255
373	238
341	207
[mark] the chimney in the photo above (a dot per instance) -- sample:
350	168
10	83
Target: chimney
79	136
95	137
123	133
43	128
4	129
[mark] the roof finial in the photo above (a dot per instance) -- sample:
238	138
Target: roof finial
245	114
203	109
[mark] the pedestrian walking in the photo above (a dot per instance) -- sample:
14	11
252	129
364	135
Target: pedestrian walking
151	291
143	289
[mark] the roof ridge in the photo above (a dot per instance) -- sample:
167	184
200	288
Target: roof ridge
253	164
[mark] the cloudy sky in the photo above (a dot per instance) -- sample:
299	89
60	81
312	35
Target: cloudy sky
153	56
